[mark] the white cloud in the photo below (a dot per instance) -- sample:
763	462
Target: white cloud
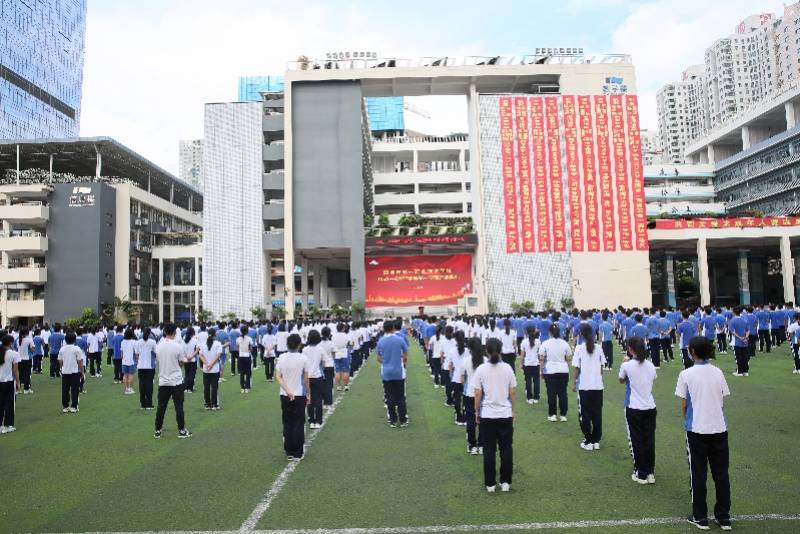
666	36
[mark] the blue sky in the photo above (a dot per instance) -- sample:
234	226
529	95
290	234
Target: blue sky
151	64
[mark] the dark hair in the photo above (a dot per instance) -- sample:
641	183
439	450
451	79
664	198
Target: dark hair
476	349
129	334
701	348
494	346
555	331
243	329
146	333
532	335
70	338
637	346
460	342
212	335
7	341
588	337
388	327
293	342
170	328
448	332
314	338
189	334
326	333
507	323
438	332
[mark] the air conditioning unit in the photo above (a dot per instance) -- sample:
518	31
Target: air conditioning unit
145	222
137	222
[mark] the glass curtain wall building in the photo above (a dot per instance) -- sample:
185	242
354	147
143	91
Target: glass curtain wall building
41	68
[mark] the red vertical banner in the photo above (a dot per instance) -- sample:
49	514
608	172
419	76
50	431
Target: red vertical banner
509	183
524	172
589	178
556	179
621	175
573	174
540	175
637	173
609	227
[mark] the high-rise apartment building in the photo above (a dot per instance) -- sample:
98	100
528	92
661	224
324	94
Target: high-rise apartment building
191	162
41	68
759	60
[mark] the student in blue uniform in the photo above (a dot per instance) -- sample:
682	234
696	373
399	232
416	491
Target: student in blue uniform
686	331
665	333
56	340
393	357
740	330
38	351
764	338
702	389
606	330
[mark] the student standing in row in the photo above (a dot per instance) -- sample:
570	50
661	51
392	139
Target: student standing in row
190	359
128	348
146	366
93	350
9	384
25	360
471	360
210	354
554	356
529	350
290	371
73	365
740	330
638	374
244	346
794	335
702	389
169	354
115	344
494	386
314	356
606	331
588	382
457	375
393	357
341	361
268	351
56	340
329	371
508	338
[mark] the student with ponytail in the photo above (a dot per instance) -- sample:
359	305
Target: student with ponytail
494	386
588	362
508	338
470	361
554	358
210	353
638	374
457	374
529	350
9	384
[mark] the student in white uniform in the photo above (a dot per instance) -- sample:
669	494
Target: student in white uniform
9	384
470	361
290	372
169	355
146	368
268	348
244	344
190	351
455	363
329	369
435	342
93	350
341	361
702	389
128	349
314	354
588	362
73	362
25	344
210	354
793	331
638	374
494	386
508	338
529	350
554	358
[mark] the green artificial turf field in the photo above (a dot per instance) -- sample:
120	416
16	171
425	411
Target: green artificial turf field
101	469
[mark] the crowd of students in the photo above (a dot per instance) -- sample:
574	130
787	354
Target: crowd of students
473	359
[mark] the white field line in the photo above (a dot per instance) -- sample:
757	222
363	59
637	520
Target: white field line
600	523
263	505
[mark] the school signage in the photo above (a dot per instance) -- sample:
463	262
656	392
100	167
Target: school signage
417	280
81	197
728	222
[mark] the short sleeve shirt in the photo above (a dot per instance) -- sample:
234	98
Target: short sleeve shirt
495	382
704	388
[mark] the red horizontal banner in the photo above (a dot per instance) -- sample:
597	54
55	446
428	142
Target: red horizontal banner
417	280
468	239
729	222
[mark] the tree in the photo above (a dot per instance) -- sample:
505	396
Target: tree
120	310
228	317
357	310
549	305
278	312
517	309
315	311
204	316
383	219
259	313
337	310
568	303
88	317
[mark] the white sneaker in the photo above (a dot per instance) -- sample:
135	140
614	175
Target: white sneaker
596	446
586	446
651	479
474	451
638	480
563	418
505	486
530	401
65	410
536	401
10	429
746	374
552	418
73	410
490	489
242	391
2	430
736	373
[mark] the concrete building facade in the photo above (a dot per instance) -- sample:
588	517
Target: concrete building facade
190	162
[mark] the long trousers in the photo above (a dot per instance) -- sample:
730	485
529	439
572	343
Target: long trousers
70	387
37	363
327	394
764	341
210	389
556	384
742	359
654	345
7	403
448	386
191	374
796	355
293	417
234	361
117	370
776	338
709	450
752	341
269	367
641	426
608	350
458	395
469	416
666	348
25	367
395	394
687	359
590	413
95	361
245	371
497	434
436	370
510	359
176	394
146	377
722	345
532	385
317	387
55	369
109	355
254	356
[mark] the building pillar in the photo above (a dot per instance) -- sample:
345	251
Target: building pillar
317	283
268	281
787	269
304	284
710	152
744	278
50	175
415	161
172	306
462	160
702	272
198	283
790	117
670	271
480	280
745	137
797	281
323	288
160	290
